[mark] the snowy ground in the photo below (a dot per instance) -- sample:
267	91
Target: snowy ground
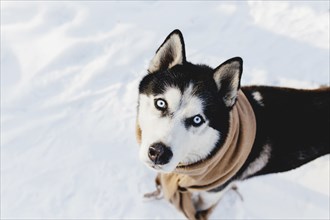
69	76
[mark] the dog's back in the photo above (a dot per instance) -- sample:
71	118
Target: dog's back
294	123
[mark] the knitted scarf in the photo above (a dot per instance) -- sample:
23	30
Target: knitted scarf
208	174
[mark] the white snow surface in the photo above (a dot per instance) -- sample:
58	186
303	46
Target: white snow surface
69	77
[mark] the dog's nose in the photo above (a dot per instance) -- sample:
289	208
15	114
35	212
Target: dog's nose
160	153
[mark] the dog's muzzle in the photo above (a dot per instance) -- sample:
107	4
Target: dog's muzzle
160	154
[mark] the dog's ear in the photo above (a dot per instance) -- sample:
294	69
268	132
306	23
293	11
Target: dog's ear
227	77
169	54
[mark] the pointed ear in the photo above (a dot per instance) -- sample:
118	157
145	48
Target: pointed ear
227	77
169	54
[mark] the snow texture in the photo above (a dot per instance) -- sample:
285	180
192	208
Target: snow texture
69	77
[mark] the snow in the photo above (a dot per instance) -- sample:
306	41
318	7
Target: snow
69	77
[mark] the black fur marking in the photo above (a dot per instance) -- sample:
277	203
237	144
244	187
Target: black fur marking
296	123
189	122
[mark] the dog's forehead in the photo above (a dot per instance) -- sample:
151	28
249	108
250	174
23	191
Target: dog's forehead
179	76
186	102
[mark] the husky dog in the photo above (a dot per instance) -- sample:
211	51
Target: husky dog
183	117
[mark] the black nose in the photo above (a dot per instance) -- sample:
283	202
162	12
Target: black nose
160	153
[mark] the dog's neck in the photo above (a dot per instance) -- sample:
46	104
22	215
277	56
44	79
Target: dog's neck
218	169
230	157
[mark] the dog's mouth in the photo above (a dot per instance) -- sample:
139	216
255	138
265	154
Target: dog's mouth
153	165
156	167
182	164
166	168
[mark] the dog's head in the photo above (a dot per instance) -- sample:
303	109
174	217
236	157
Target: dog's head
183	109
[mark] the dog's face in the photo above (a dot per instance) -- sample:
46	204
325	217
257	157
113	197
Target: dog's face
183	109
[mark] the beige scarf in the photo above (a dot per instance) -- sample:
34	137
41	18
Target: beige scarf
210	173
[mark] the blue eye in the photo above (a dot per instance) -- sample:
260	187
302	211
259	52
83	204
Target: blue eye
160	104
197	120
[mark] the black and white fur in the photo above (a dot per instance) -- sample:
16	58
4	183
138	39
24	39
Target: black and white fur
183	112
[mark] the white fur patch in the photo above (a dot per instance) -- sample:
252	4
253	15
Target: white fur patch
173	98
259	162
257	96
188	145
